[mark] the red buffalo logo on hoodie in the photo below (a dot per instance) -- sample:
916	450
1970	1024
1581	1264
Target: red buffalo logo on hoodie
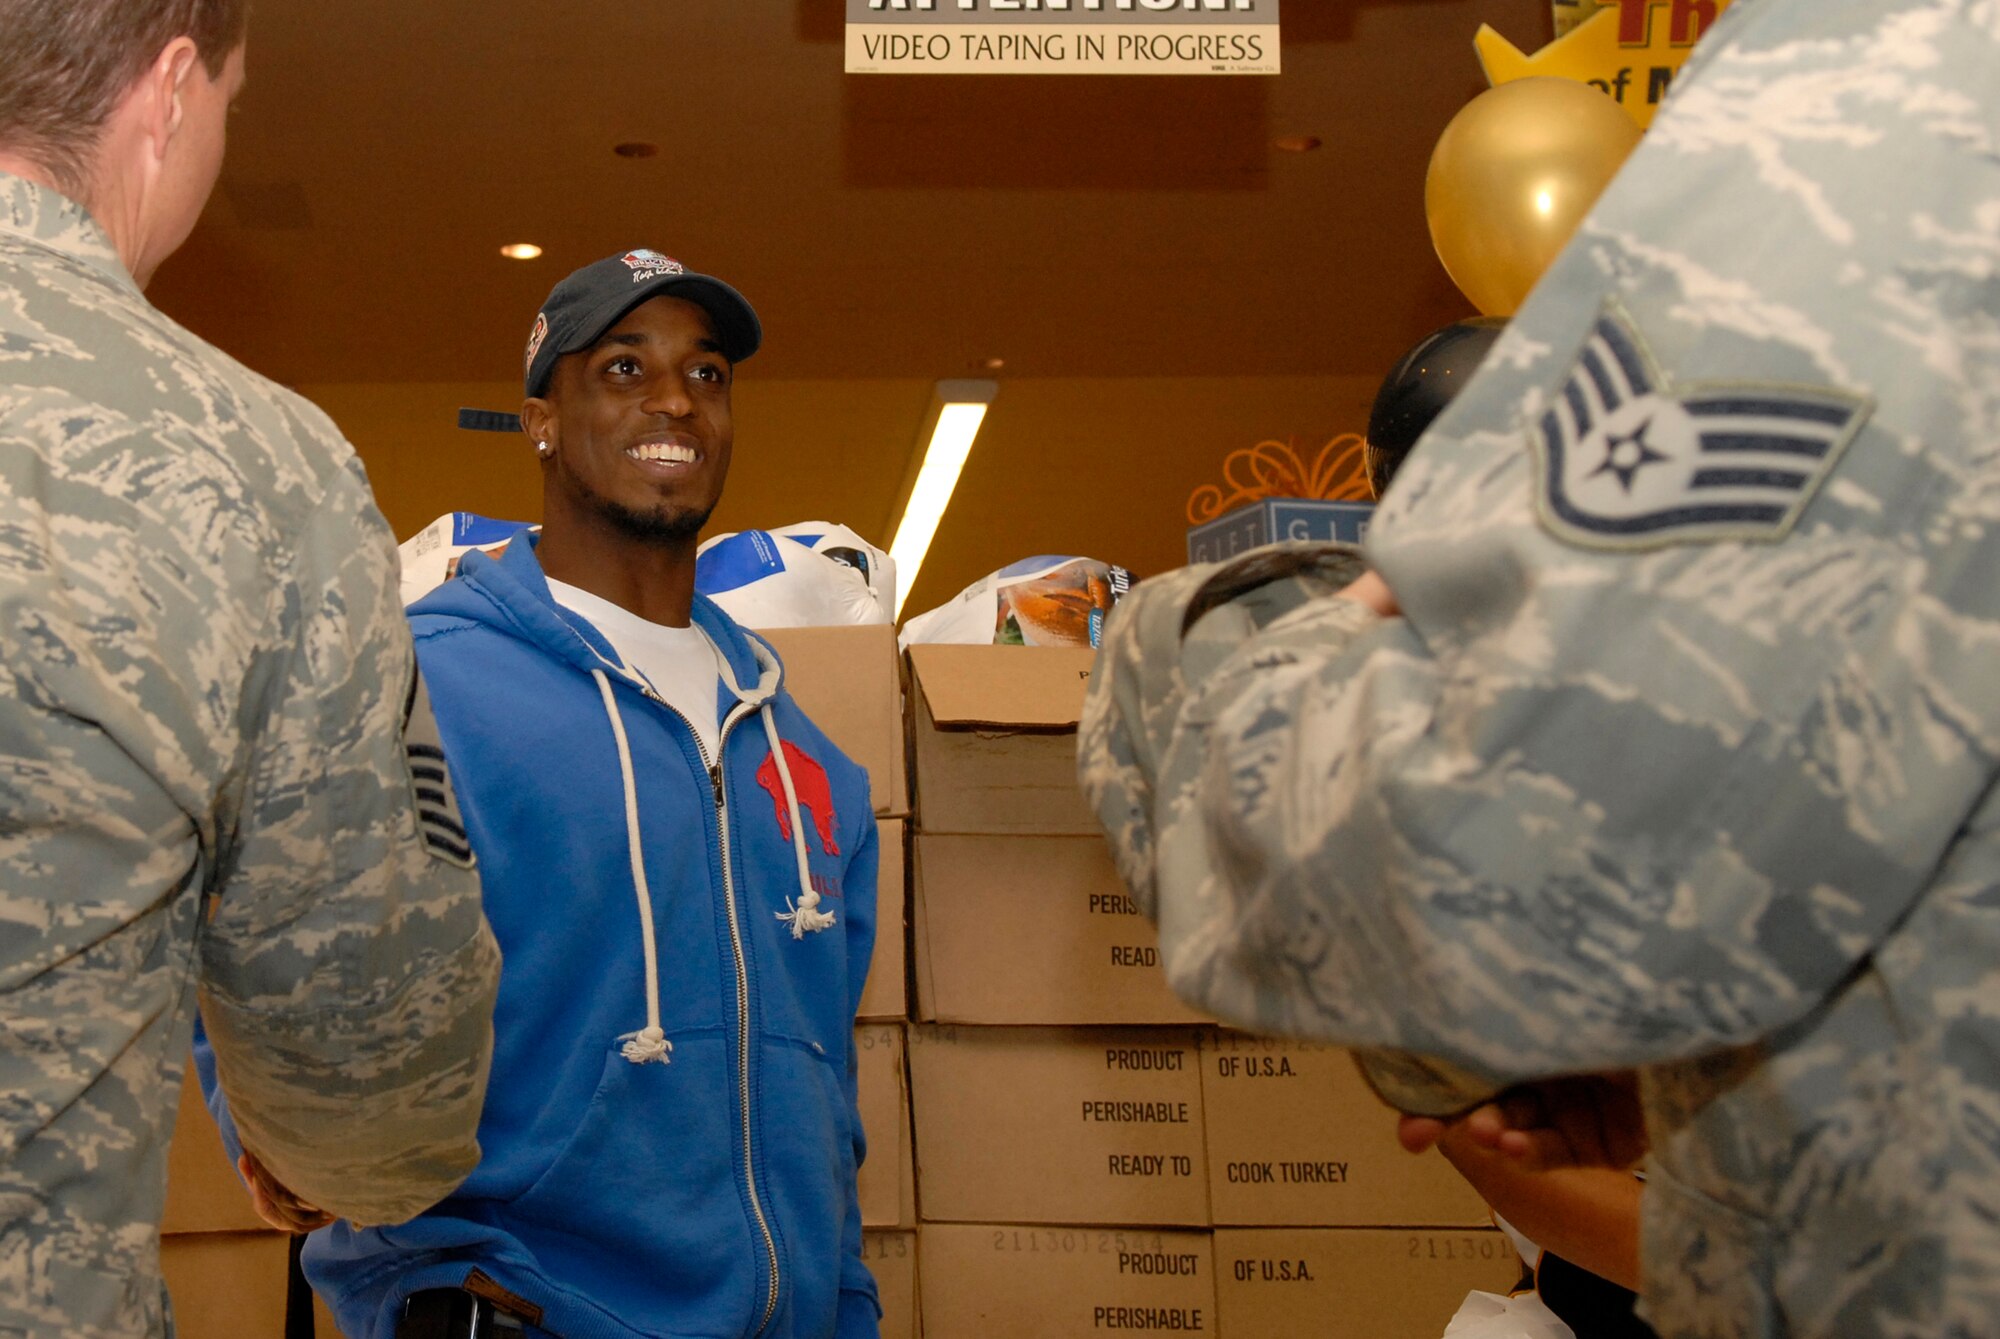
815	795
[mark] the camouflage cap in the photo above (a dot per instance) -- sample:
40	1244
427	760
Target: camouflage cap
593	299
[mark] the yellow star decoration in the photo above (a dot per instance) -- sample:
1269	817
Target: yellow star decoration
1630	49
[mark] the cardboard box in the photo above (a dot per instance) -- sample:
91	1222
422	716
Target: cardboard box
204	1194
1295	1136
849	680
995	738
892	1258
982	1282
1353	1283
1276	521
1059	1125
888	1183
886	996
226	1285
1032	930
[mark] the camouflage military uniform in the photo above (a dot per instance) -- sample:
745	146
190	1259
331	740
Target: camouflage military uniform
204	677
1683	753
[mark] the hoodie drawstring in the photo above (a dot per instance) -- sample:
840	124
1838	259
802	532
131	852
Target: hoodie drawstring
805	917
650	1043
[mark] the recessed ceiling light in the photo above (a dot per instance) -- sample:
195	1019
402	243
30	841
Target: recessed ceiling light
635	148
992	364
1296	143
521	251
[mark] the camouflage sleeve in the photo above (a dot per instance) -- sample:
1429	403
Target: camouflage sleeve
1576	811
1161	649
348	973
1692	692
1144	670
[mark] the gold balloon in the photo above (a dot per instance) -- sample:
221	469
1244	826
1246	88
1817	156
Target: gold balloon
1512	176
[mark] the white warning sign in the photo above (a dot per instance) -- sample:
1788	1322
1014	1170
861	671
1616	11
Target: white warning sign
1062	37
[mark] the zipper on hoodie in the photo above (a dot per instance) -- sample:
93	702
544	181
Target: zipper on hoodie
715	781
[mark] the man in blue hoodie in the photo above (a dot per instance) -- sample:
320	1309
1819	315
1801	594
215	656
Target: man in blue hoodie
680	869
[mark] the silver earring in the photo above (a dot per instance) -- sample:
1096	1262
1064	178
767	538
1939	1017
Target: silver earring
541	448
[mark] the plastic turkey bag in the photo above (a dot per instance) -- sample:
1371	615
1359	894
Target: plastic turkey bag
813	574
1045	601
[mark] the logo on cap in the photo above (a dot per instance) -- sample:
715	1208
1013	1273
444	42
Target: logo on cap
651	265
537	335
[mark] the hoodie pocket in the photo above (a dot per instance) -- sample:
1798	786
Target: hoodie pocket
642	1210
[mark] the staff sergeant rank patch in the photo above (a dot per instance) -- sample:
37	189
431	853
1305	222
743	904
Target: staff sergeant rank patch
440	825
1629	461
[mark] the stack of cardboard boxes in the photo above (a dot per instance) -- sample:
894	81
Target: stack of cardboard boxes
1057	1146
1093	1155
1055	1081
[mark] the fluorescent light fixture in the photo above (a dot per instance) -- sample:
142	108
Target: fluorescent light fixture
957	410
521	251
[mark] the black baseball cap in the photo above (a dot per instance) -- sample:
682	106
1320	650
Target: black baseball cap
593	299
1427	379
1419	388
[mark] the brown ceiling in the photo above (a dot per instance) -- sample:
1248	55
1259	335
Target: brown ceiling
1163	284
885	226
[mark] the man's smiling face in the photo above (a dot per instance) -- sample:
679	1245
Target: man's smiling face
643	426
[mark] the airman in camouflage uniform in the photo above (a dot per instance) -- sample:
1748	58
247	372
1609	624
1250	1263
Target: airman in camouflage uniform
1681	754
206	693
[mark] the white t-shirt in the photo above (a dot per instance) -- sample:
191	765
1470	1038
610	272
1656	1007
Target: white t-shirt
679	662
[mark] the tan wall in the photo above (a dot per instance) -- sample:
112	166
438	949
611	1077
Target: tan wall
1097	467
